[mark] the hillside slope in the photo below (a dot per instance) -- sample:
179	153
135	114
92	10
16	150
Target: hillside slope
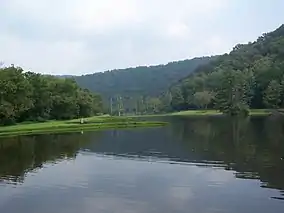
251	75
139	81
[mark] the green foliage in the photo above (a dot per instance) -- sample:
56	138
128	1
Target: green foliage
178	100
272	95
202	99
134	84
34	97
234	94
15	93
154	105
251	76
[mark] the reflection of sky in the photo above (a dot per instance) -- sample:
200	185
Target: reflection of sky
102	184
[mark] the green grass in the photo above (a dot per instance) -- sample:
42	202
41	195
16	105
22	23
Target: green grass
93	123
259	112
183	113
252	112
197	113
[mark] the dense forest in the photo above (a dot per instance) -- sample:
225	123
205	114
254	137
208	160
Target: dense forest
250	76
132	88
27	96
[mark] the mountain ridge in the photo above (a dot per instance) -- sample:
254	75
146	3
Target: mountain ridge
138	81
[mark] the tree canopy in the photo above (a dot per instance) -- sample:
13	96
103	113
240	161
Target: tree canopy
27	96
250	76
133	85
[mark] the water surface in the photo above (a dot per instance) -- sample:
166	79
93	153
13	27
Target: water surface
192	165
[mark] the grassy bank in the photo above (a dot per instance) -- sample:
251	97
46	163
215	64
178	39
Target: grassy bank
260	112
93	123
197	113
252	112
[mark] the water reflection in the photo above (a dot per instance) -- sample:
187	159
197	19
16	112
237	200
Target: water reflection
232	165
23	154
252	147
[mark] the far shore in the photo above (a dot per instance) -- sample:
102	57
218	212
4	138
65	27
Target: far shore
89	124
209	112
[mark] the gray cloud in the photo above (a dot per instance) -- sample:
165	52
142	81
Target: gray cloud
74	37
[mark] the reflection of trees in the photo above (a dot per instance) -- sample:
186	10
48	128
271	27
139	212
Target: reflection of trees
20	155
253	147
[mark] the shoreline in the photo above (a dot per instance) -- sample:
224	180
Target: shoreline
252	112
201	113
91	124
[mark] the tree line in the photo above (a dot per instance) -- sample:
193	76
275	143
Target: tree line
250	76
142	105
135	84
27	96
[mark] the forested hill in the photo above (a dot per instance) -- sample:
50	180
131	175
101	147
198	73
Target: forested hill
251	75
139	81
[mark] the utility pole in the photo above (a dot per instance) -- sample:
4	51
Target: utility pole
146	100
142	106
136	107
118	100
119	105
110	105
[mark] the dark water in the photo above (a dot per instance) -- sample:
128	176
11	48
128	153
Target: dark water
192	165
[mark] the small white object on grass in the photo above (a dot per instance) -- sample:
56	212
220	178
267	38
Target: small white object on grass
82	120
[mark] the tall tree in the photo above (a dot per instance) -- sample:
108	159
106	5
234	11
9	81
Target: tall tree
203	99
234	95
272	95
15	94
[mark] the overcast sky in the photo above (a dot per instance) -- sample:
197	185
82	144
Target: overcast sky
86	36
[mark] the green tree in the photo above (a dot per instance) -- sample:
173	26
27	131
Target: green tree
142	81
203	99
15	94
239	79
234	94
154	105
166	100
178	101
272	95
89	104
26	96
41	97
